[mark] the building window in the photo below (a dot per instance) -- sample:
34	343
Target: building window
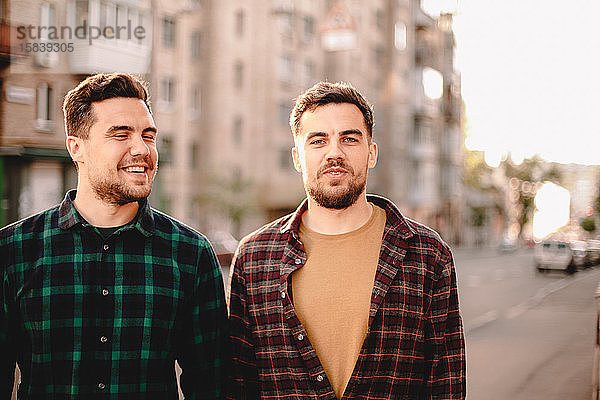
168	32
240	23
238	74
195	101
107	17
195	43
309	29
82	13
283	113
286	68
422	132
121	20
47	19
285	159
380	19
237	131
45	107
400	35
167	91
194	149
308	73
165	149
378	55
286	24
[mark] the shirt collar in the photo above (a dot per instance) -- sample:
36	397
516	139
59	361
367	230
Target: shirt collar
394	219
68	216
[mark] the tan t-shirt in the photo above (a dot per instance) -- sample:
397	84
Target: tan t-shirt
332	294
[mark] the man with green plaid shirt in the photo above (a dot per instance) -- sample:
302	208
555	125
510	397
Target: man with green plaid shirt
100	295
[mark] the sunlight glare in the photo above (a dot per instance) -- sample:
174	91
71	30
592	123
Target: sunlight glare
552	209
493	158
433	83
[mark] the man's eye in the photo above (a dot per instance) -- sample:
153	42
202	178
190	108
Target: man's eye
317	141
151	138
350	139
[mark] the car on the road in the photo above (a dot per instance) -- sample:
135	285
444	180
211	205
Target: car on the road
593	249
554	254
579	249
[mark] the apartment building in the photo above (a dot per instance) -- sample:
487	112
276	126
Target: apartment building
178	76
223	76
53	45
263	55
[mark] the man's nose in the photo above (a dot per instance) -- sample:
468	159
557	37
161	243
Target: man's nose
334	151
138	146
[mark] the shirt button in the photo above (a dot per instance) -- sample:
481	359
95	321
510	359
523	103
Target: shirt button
101	386
105	247
283	295
104	339
319	378
300	336
298	261
105	292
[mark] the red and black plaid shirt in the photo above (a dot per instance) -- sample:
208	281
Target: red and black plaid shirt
414	347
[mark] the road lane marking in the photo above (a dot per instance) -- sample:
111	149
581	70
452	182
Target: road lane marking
530	303
482	320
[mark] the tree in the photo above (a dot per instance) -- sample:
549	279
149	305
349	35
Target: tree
588	224
531	172
231	197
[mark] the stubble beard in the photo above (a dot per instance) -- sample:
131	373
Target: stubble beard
335	196
119	194
114	191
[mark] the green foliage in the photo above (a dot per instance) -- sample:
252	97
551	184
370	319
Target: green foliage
588	224
478	216
475	170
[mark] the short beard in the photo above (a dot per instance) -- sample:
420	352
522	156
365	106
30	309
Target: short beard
337	201
116	194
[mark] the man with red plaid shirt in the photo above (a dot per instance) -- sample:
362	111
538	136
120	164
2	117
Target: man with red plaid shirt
345	298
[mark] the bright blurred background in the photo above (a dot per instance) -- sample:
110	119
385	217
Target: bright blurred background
477	105
486	120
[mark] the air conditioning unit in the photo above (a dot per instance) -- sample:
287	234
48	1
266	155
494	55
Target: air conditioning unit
46	59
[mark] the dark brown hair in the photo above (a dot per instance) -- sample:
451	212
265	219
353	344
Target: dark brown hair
325	93
77	107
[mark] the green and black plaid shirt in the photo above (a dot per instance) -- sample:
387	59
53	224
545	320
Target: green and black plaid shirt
87	317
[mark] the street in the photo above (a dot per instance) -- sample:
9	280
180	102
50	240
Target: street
528	335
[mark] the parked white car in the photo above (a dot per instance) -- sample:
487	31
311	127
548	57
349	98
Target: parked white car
593	251
581	259
554	255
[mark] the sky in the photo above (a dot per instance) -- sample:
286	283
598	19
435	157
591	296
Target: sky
530	73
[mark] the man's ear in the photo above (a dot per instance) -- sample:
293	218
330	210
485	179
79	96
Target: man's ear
75	148
296	159
372	154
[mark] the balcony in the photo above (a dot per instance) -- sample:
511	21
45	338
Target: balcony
110	36
108	55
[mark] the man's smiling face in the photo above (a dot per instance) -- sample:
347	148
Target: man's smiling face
119	159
